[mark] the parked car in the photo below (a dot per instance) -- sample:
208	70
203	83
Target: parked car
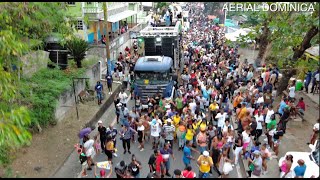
311	160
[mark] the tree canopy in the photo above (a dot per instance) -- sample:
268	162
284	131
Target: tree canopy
23	26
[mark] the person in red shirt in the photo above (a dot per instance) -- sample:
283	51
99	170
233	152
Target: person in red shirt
127	49
188	173
120	57
159	164
300	108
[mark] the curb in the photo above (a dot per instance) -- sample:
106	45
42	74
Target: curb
93	120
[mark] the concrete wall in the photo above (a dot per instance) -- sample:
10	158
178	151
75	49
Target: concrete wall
33	62
67	101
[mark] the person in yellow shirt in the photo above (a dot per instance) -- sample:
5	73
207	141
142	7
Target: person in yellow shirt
190	133
213	110
242	114
205	163
237	101
176	120
203	124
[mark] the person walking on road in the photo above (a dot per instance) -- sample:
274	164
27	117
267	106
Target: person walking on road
112	133
109	83
123	114
155	128
205	163
123	98
110	148
121	169
89	151
134	167
255	166
140	129
102	134
99	89
126	134
168	130
187	157
166	151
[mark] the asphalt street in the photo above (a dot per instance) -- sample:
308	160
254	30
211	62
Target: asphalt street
72	168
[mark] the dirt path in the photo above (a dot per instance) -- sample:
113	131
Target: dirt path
49	149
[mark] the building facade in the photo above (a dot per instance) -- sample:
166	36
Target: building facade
90	19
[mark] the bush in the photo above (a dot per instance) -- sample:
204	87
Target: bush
41	92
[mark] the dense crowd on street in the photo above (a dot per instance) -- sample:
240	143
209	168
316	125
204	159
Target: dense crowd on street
216	91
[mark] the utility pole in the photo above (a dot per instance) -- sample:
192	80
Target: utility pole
105	11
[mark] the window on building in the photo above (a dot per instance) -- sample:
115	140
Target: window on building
71	3
89	2
80	25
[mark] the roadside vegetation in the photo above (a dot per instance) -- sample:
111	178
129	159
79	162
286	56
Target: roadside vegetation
282	38
29	103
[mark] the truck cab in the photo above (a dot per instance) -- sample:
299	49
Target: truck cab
153	74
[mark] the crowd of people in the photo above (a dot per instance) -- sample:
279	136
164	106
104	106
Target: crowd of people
216	90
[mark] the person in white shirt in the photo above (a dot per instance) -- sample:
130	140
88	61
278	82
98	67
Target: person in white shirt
291	91
317	77
226	126
259	119
221	116
193	106
260	99
155	129
123	97
152	21
269	113
315	134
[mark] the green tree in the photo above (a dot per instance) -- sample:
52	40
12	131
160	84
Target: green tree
14	120
77	48
23	26
288	34
162	5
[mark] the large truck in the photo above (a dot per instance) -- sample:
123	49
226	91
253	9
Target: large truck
153	75
157	69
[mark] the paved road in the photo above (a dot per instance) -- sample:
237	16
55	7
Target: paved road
72	166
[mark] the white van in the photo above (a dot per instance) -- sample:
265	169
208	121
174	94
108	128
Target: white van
311	160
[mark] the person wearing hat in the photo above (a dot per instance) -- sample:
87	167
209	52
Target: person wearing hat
202	139
123	114
169	130
255	166
205	163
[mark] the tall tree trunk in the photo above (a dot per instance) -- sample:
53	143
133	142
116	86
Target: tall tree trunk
263	43
298	52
